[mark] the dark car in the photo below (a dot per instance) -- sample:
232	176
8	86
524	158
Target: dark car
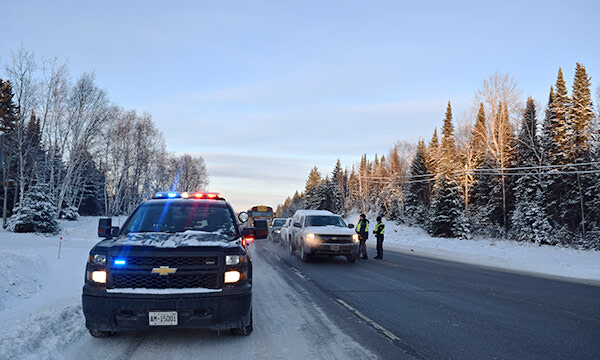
179	261
275	229
261	228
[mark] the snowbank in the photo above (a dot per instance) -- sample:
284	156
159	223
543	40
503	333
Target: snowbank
40	299
498	253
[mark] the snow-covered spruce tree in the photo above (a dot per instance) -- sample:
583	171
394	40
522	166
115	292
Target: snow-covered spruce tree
529	221
36	213
555	146
447	218
336	188
486	195
416	198
580	116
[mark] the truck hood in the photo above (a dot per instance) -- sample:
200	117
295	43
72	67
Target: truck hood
328	230
172	240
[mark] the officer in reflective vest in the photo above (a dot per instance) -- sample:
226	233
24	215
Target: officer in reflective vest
362	229
379	230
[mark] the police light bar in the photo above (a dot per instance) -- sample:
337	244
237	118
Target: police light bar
210	195
185	195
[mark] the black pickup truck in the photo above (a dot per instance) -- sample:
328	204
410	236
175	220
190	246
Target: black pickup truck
179	261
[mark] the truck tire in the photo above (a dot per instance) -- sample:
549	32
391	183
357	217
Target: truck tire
100	333
244	330
291	247
351	258
304	256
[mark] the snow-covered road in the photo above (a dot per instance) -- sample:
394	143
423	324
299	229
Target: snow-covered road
41	316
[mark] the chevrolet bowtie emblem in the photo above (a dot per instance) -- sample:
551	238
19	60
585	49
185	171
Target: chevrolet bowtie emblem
164	270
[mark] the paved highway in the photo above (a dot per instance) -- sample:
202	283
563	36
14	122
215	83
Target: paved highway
409	307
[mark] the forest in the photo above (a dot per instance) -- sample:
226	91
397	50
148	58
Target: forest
68	150
509	168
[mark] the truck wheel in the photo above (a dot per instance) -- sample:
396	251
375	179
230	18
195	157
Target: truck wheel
351	258
292	250
100	333
304	256
244	330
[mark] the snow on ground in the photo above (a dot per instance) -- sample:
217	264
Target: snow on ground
498	253
40	298
41	316
40	306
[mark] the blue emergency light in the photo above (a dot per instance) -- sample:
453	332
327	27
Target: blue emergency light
119	262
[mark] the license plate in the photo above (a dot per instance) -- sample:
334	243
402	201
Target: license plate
162	318
334	247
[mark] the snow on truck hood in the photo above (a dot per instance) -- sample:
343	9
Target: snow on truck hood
328	230
173	240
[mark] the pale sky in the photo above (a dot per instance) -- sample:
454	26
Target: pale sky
264	90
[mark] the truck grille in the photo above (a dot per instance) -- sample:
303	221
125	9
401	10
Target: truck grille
339	239
154	281
172	261
192	271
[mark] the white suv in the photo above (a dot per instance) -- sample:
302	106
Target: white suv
320	232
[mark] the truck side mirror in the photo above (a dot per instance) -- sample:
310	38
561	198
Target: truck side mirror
105	228
114	231
297	224
243	217
350	226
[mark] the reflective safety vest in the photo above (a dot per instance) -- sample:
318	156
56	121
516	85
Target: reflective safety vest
360	224
379	229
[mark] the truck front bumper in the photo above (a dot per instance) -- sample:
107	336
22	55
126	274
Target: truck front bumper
227	309
333	249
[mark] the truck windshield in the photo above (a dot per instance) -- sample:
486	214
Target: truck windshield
180	216
325	221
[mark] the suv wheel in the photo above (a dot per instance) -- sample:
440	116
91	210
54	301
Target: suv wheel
291	247
351	258
244	330
304	256
100	333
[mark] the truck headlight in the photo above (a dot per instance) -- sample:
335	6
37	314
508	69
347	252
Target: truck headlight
311	239
99	277
232	277
232	259
355	238
97	259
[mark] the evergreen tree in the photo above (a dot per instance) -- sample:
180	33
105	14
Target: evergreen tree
433	159
336	188
8	123
479	137
575	204
447	162
447	218
529	221
417	197
562	131
447	212
314	190
486	195
36	213
581	114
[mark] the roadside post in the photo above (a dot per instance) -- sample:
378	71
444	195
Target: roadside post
60	237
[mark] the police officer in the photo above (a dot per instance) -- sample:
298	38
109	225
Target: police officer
362	229
379	230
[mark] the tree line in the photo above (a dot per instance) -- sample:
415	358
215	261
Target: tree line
68	150
504	170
